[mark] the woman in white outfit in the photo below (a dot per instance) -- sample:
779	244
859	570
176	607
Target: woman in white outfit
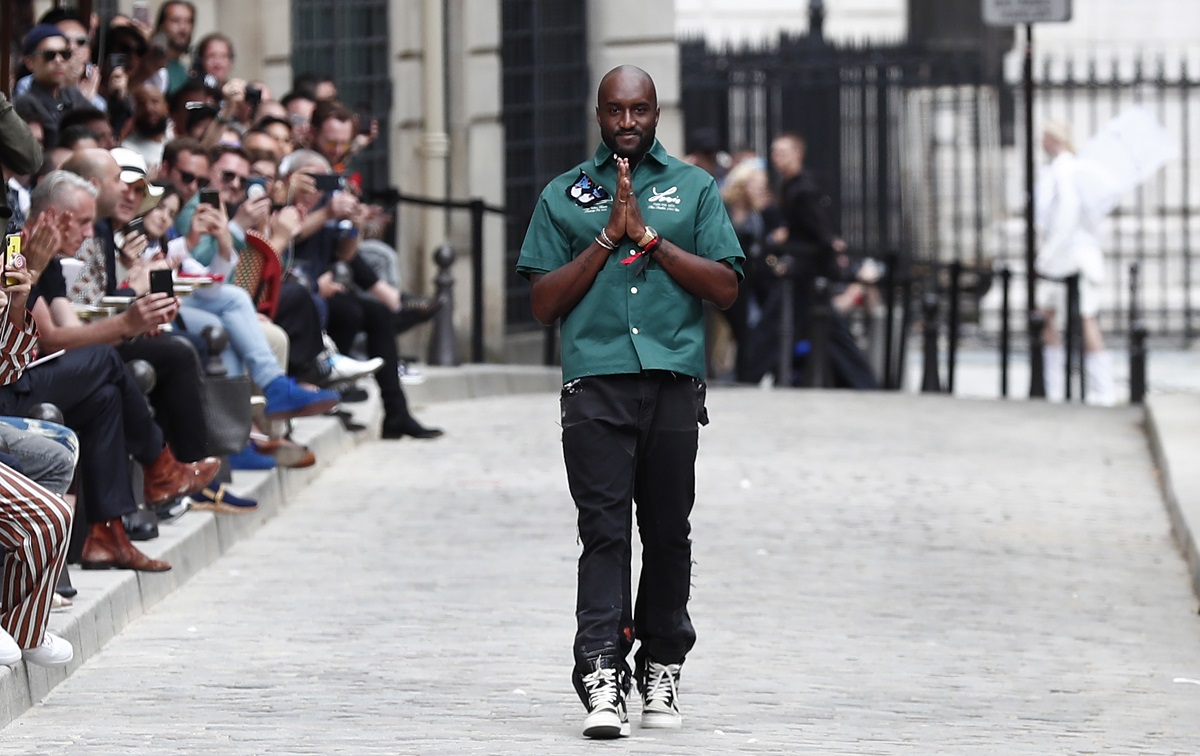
1069	245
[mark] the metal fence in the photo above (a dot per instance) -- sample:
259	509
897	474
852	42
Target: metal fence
545	76
919	152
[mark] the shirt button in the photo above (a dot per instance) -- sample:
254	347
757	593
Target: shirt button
635	331
633	290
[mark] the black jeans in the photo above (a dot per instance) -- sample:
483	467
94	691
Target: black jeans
626	439
101	402
350	314
176	397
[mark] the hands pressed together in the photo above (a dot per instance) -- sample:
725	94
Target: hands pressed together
625	218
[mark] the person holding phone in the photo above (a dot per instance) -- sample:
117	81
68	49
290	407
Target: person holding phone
47	54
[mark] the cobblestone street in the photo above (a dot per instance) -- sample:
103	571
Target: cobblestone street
875	574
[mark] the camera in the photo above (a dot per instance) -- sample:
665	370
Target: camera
117	60
253	96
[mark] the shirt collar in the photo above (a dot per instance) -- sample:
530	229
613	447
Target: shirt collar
656	151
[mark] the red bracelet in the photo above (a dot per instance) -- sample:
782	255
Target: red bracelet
652	244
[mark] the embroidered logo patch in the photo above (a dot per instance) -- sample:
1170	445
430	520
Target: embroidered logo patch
664	198
586	192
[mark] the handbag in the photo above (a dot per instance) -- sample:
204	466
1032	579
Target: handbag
227	413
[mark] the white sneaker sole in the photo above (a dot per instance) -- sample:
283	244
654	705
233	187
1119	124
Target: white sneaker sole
605	725
661	720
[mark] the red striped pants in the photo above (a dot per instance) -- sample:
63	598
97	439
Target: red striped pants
35	526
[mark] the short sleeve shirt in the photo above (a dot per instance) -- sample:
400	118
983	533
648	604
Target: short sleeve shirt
630	322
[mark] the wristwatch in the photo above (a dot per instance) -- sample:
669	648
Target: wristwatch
647	237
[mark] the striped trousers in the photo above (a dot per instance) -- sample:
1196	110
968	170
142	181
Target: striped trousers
35	527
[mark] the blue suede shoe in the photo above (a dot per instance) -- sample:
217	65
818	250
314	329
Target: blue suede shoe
251	459
286	398
222	501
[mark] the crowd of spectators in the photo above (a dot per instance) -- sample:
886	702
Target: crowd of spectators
789	241
155	156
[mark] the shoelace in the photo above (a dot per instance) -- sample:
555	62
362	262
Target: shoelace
660	683
601	686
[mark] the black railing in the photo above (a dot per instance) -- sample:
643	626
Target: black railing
477	208
919	150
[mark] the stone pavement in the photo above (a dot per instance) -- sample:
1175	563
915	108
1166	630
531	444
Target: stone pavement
875	574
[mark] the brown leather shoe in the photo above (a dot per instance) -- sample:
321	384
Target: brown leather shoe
108	547
287	453
167	478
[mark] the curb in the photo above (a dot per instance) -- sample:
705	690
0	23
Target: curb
109	600
1171	423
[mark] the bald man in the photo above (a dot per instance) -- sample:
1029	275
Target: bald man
625	248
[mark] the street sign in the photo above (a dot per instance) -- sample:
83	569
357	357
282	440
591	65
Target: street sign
1014	12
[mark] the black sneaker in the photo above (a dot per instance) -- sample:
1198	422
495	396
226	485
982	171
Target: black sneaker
660	696
604	696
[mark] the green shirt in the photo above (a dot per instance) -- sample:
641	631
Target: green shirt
627	322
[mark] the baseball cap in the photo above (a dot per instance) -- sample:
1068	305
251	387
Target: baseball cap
133	170
37	34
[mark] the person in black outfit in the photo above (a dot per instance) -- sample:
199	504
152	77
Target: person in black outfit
813	248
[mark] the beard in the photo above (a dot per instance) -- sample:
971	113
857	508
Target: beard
645	139
150	127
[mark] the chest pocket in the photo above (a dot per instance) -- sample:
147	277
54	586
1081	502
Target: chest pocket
671	212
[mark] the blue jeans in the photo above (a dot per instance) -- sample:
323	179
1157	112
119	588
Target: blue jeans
230	307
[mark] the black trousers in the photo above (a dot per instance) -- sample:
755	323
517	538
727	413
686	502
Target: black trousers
299	317
627	439
348	315
102	403
176	396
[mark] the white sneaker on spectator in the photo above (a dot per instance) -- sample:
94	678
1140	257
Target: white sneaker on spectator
343	368
410	374
10	652
53	652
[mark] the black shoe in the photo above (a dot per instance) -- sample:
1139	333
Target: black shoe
353	394
602	690
141	525
172	510
393	429
64	587
415	311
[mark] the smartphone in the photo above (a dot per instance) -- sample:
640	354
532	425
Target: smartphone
255	187
253	96
329	182
141	12
117	60
210	197
162	281
137	225
13	259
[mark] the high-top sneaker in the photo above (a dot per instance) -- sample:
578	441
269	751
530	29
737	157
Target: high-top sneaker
660	696
603	692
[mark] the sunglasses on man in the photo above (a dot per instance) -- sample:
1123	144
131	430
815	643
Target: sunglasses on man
50	55
189	178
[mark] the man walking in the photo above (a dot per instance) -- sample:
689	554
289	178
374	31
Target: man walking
625	248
